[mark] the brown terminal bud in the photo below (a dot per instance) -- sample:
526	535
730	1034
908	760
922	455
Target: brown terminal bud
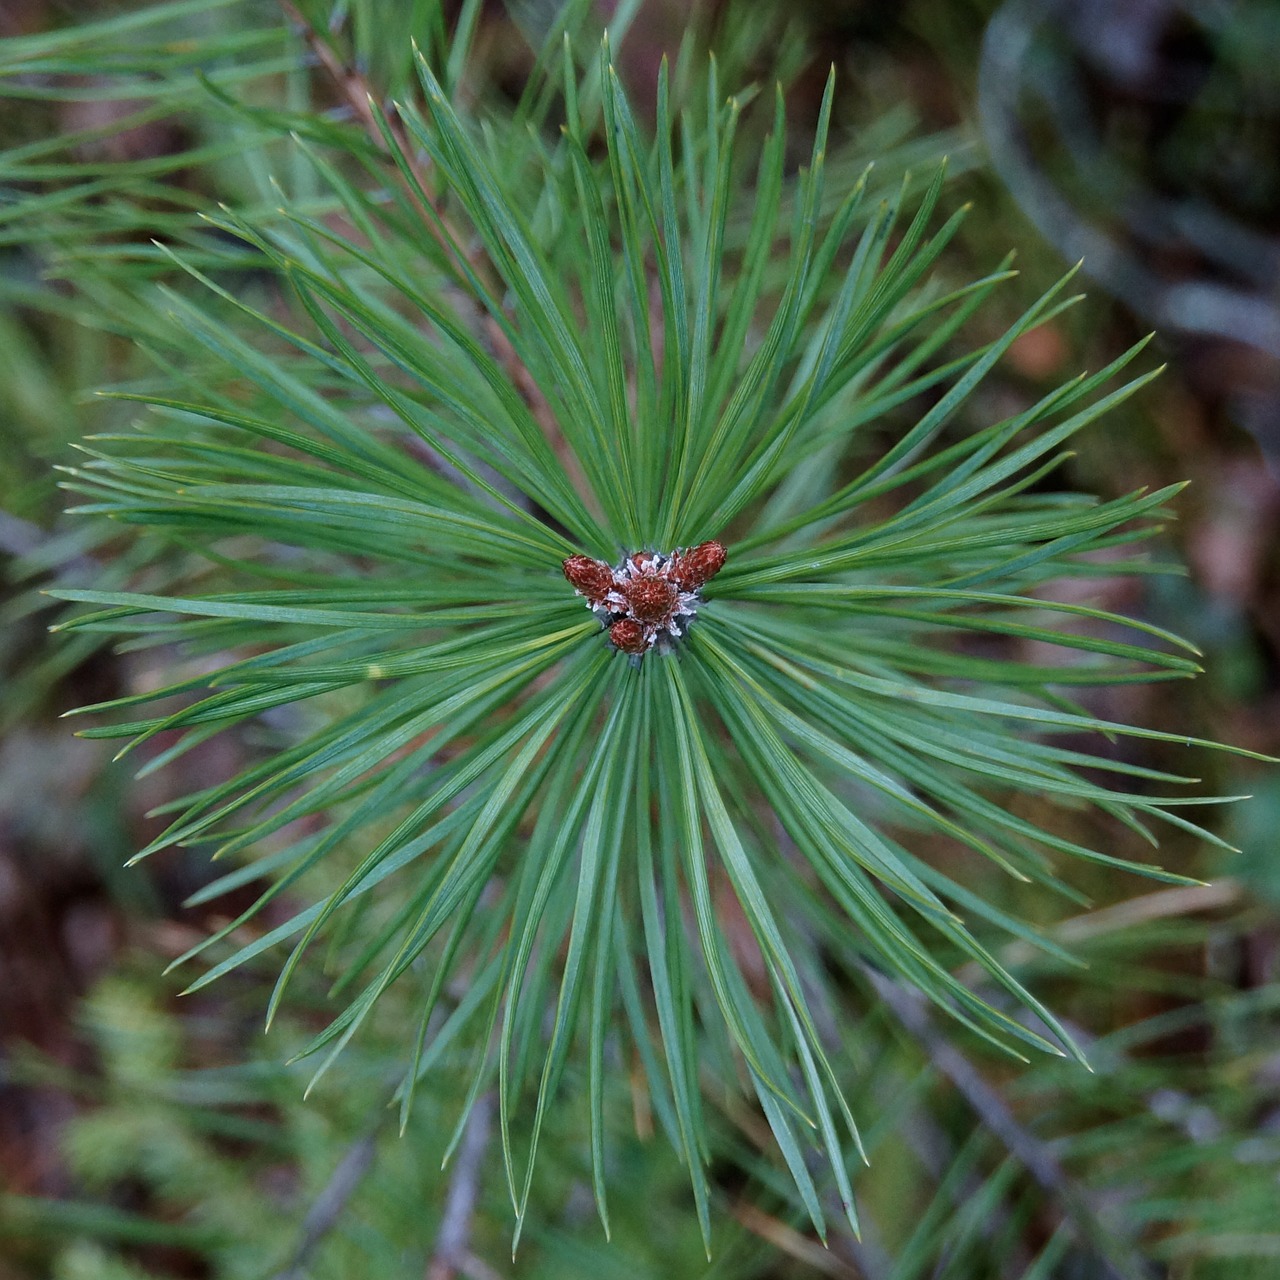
628	635
592	578
651	598
697	566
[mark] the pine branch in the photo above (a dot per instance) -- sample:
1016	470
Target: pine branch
566	776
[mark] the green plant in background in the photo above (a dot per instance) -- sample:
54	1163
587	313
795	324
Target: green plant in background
444	364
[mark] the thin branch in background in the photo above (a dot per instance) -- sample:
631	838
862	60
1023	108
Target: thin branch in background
18	537
1116	1257
927	1138
793	1243
1163	904
22	540
359	97
473	1268
844	1254
331	1203
352	85
1202	306
476	1269
452	1255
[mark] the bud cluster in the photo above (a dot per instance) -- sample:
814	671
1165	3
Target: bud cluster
650	598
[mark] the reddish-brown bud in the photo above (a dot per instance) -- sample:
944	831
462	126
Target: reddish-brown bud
593	578
628	636
697	566
651	598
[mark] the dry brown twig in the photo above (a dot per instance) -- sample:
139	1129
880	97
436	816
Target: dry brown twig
788	1240
1162	904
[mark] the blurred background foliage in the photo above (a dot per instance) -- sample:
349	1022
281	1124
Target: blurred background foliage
142	1135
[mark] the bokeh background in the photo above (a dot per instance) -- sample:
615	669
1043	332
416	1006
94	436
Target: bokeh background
142	1135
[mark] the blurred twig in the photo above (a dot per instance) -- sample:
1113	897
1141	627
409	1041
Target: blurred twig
1116	1258
18	537
1163	904
792	1242
328	1208
23	540
1201	306
357	93
452	1255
